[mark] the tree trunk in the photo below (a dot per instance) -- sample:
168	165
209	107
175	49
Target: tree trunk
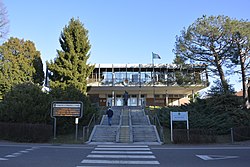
248	94
244	84
222	75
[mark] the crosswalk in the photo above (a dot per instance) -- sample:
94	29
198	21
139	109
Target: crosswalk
117	155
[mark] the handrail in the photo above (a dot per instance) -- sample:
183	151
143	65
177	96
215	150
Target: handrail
158	124
130	128
93	117
87	128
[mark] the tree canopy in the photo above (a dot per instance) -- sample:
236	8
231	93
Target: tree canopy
208	40
222	43
19	62
240	55
70	67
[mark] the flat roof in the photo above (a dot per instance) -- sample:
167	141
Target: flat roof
147	65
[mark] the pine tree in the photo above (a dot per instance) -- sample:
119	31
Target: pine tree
70	67
240	55
208	40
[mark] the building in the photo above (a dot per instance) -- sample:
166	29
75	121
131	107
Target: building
145	84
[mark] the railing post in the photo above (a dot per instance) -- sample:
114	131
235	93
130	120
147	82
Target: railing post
83	134
87	132
162	134
232	135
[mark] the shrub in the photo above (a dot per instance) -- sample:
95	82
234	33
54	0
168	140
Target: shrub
26	103
218	113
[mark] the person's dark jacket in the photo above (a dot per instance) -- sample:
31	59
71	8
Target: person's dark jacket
109	112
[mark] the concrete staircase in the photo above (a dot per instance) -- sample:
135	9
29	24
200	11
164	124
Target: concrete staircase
129	125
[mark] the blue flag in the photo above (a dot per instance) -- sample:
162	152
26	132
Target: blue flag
155	56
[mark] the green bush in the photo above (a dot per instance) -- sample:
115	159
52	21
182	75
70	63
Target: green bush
218	113
26	103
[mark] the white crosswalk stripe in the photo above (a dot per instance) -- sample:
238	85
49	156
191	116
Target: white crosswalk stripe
120	155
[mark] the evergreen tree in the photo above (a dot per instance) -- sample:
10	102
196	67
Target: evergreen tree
208	40
240	54
19	62
179	60
70	67
186	75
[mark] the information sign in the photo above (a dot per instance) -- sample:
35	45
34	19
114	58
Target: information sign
179	116
66	109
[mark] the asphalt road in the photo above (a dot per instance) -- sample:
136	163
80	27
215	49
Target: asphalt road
35	155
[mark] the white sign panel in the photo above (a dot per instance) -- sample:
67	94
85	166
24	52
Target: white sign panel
67	105
179	116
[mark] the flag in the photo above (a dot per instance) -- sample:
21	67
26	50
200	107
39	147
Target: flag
155	56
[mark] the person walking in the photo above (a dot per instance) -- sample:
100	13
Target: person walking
109	113
125	97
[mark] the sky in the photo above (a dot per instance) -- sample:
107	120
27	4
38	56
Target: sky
120	31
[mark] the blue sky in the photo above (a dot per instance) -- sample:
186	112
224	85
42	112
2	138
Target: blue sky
120	31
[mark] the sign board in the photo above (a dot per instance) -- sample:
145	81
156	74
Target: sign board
179	116
66	109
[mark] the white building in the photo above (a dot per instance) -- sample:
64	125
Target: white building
146	85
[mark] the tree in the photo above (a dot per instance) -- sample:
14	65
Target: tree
180	60
70	66
208	40
241	54
4	22
186	75
19	62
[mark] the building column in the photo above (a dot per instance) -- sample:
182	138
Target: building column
113	75
99	74
113	98
166	98
139	101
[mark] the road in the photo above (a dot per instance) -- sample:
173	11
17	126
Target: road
44	155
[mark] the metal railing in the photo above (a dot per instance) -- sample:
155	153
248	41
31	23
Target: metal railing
88	129
159	128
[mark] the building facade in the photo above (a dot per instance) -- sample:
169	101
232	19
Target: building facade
145	84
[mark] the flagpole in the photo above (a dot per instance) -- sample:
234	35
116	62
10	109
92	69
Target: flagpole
153	78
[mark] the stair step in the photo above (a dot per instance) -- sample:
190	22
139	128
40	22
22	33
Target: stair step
142	130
